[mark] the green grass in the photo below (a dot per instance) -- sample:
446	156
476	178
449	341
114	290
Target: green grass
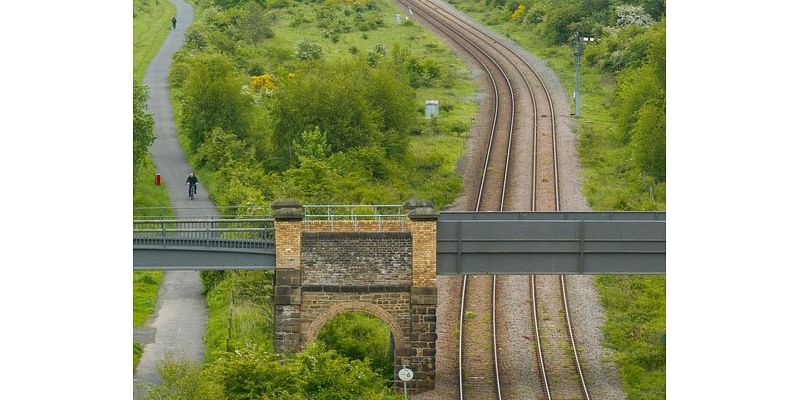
137	354
635	307
243	299
151	25
145	292
145	191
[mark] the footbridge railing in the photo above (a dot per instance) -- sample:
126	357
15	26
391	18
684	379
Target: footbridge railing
464	242
197	243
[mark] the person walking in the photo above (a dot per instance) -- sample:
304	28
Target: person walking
174	22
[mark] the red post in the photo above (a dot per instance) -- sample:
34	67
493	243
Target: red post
158	179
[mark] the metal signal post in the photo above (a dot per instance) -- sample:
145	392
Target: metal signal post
577	50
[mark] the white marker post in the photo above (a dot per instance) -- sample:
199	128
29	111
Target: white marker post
405	375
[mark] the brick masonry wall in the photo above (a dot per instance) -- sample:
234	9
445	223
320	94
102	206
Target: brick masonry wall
356	226
287	243
356	259
424	258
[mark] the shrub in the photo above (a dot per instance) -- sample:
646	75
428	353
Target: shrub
182	379
307	50
360	336
211	279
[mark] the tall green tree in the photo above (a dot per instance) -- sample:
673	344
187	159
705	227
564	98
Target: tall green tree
353	105
643	107
213	98
254	24
143	135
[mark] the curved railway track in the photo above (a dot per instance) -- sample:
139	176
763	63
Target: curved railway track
503	64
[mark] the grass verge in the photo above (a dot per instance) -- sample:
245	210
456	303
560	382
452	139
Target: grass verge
239	312
151	25
635	307
145	293
137	354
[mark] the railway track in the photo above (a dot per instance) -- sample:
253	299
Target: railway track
480	374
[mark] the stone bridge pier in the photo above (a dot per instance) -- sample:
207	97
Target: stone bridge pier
386	268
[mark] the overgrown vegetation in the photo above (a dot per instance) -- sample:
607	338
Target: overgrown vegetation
324	108
622	142
635	307
240	311
360	336
248	373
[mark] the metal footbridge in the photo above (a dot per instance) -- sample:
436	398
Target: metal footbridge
467	242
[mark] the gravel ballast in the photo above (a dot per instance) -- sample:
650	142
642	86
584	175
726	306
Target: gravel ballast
586	309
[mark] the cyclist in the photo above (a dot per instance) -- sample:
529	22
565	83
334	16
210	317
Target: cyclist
192	182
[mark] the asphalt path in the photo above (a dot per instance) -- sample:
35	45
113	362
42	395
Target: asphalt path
179	322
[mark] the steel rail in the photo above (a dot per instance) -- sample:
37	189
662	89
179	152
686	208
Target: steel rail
467	23
533	198
481	187
538	338
502	200
461	341
558	208
572	338
497	101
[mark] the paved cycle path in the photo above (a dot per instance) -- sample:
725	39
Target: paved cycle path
179	322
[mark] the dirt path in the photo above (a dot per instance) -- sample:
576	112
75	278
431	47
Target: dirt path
179	322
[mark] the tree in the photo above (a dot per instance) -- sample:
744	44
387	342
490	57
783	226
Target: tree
213	98
643	107
221	148
560	23
313	145
143	135
649	139
330	97
353	105
254	24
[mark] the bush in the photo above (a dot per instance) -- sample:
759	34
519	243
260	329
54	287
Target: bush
182	379
211	279
360	336
307	50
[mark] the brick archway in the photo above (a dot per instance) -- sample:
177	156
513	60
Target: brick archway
385	268
401	340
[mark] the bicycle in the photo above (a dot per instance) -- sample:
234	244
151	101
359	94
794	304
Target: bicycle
192	190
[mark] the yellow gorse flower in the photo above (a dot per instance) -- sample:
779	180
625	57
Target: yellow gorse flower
262	82
518	13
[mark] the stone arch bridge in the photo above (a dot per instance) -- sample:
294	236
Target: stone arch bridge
387	267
